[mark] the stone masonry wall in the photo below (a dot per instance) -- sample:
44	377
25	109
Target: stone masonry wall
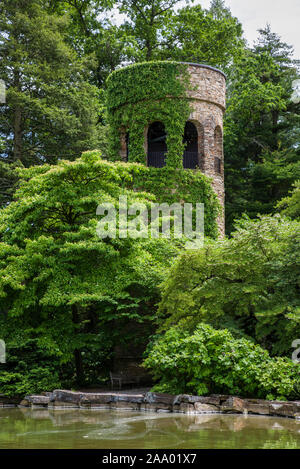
208	97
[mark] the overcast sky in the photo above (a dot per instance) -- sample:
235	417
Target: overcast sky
283	16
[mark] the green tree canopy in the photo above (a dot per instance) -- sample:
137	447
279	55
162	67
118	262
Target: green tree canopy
63	291
249	284
158	30
201	36
51	109
262	158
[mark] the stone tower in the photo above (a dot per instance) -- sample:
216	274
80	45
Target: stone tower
143	105
208	102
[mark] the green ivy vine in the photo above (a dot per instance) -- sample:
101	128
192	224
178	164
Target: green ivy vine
143	93
167	184
171	185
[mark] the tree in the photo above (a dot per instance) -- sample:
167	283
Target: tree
158	31
198	35
261	150
147	19
83	14
151	30
67	294
219	9
249	284
51	110
92	35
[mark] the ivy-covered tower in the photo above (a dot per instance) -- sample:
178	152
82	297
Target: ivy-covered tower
169	114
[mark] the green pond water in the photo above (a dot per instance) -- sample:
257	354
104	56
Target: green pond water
101	429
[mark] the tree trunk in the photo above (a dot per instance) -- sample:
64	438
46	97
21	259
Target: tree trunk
17	121
17	128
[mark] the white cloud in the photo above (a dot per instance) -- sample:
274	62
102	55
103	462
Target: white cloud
283	16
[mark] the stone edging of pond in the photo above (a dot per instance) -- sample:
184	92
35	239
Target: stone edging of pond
158	402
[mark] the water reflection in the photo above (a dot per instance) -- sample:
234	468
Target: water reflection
43	428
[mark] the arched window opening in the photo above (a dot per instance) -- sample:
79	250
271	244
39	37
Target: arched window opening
218	165
218	149
190	139
157	146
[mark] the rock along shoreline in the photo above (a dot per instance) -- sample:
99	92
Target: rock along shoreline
158	402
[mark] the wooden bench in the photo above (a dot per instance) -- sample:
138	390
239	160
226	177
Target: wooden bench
123	378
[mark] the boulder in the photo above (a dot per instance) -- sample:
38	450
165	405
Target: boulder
218	398
37	400
24	403
66	396
63	404
123	405
92	399
160	407
135	398
283	409
186	398
159	398
186	408
257	406
157	402
205	408
213	400
233	404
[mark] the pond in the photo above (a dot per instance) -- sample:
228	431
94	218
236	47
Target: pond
101	429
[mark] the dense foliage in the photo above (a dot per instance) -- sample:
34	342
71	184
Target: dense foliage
162	79
290	205
67	298
49	116
170	185
66	295
249	283
261	129
213	361
51	109
132	108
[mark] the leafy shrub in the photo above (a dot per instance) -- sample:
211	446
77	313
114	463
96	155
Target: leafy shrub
213	361
34	381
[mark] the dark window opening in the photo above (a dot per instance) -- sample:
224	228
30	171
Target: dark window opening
218	165
157	146
218	150
190	139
